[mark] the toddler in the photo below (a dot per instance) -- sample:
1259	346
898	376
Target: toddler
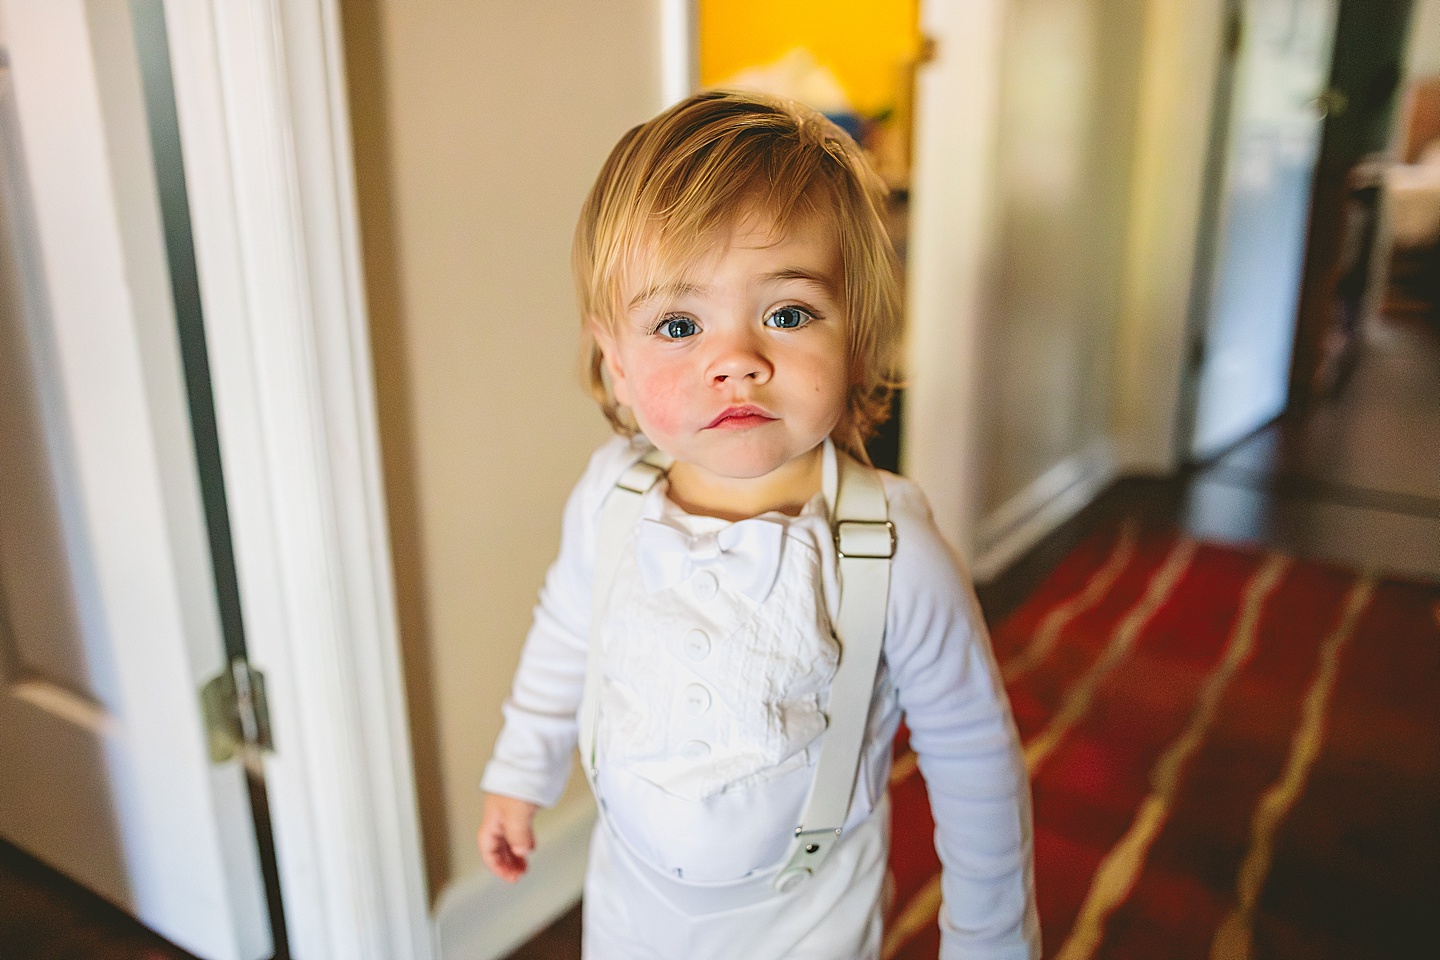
742	608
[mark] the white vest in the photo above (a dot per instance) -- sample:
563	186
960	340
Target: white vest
710	660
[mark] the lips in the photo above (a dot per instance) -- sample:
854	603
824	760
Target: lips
740	418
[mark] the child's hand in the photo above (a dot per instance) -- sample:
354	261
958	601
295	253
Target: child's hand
506	838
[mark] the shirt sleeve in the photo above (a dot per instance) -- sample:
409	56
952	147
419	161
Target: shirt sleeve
531	760
949	687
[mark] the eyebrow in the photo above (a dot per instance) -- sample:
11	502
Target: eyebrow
822	280
667	290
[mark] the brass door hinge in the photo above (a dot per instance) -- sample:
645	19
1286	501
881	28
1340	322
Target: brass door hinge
237	718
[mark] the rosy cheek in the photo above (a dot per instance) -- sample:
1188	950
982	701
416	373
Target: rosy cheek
660	399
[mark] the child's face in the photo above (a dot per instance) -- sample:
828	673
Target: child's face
740	367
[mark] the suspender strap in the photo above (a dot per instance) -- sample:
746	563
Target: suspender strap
865	542
618	516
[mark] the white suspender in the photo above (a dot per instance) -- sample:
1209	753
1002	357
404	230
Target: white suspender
618	516
864	542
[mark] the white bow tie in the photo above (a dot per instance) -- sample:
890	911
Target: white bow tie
748	551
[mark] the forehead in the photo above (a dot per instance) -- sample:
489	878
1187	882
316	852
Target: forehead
808	247
759	230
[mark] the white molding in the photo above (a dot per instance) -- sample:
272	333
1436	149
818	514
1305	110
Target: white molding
1180	56
480	917
264	126
1048	501
952	244
679	58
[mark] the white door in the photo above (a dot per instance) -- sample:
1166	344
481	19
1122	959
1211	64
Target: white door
1270	152
108	620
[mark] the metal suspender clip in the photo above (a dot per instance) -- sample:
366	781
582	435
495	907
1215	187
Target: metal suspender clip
865	539
809	850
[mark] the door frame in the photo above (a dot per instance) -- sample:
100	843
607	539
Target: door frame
1207	236
951	259
264	125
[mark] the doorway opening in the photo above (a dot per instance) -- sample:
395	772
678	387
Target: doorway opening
1292	268
1355	434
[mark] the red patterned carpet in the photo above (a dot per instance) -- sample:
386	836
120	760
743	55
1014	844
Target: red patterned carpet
1234	754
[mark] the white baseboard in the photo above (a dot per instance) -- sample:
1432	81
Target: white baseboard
1136	458
1048	501
480	917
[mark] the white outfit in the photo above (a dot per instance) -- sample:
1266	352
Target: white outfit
717	659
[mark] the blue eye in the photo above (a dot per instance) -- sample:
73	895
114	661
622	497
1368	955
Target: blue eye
677	328
788	318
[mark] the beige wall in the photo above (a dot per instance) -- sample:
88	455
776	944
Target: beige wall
479	125
1066	136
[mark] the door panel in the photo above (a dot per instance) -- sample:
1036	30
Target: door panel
1270	153
57	799
108	620
39	535
44	642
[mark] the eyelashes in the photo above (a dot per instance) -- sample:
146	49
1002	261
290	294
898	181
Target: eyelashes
789	317
678	326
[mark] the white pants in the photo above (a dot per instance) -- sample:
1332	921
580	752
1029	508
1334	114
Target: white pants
835	915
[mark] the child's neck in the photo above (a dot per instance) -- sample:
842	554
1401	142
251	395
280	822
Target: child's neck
786	489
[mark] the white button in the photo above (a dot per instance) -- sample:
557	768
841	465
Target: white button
694	749
697	699
704	584
697	645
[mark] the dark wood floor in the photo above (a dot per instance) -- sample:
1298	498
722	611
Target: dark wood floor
44	916
1356	480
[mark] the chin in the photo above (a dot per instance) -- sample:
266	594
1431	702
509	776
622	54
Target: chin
745	468
745	463
736	456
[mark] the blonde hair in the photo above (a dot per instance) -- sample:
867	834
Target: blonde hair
672	190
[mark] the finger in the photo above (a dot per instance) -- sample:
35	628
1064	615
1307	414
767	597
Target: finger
518	834
495	851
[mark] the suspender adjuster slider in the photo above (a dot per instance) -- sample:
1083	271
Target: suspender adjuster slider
865	539
640	477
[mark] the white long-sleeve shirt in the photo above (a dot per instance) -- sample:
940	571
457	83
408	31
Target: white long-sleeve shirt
705	758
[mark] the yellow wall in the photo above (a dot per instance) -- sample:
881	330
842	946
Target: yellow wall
866	43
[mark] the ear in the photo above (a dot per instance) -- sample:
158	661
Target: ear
605	339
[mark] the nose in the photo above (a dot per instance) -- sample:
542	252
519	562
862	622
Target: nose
740	356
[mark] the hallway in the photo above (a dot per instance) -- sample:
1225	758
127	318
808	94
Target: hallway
1356	480
1354	484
